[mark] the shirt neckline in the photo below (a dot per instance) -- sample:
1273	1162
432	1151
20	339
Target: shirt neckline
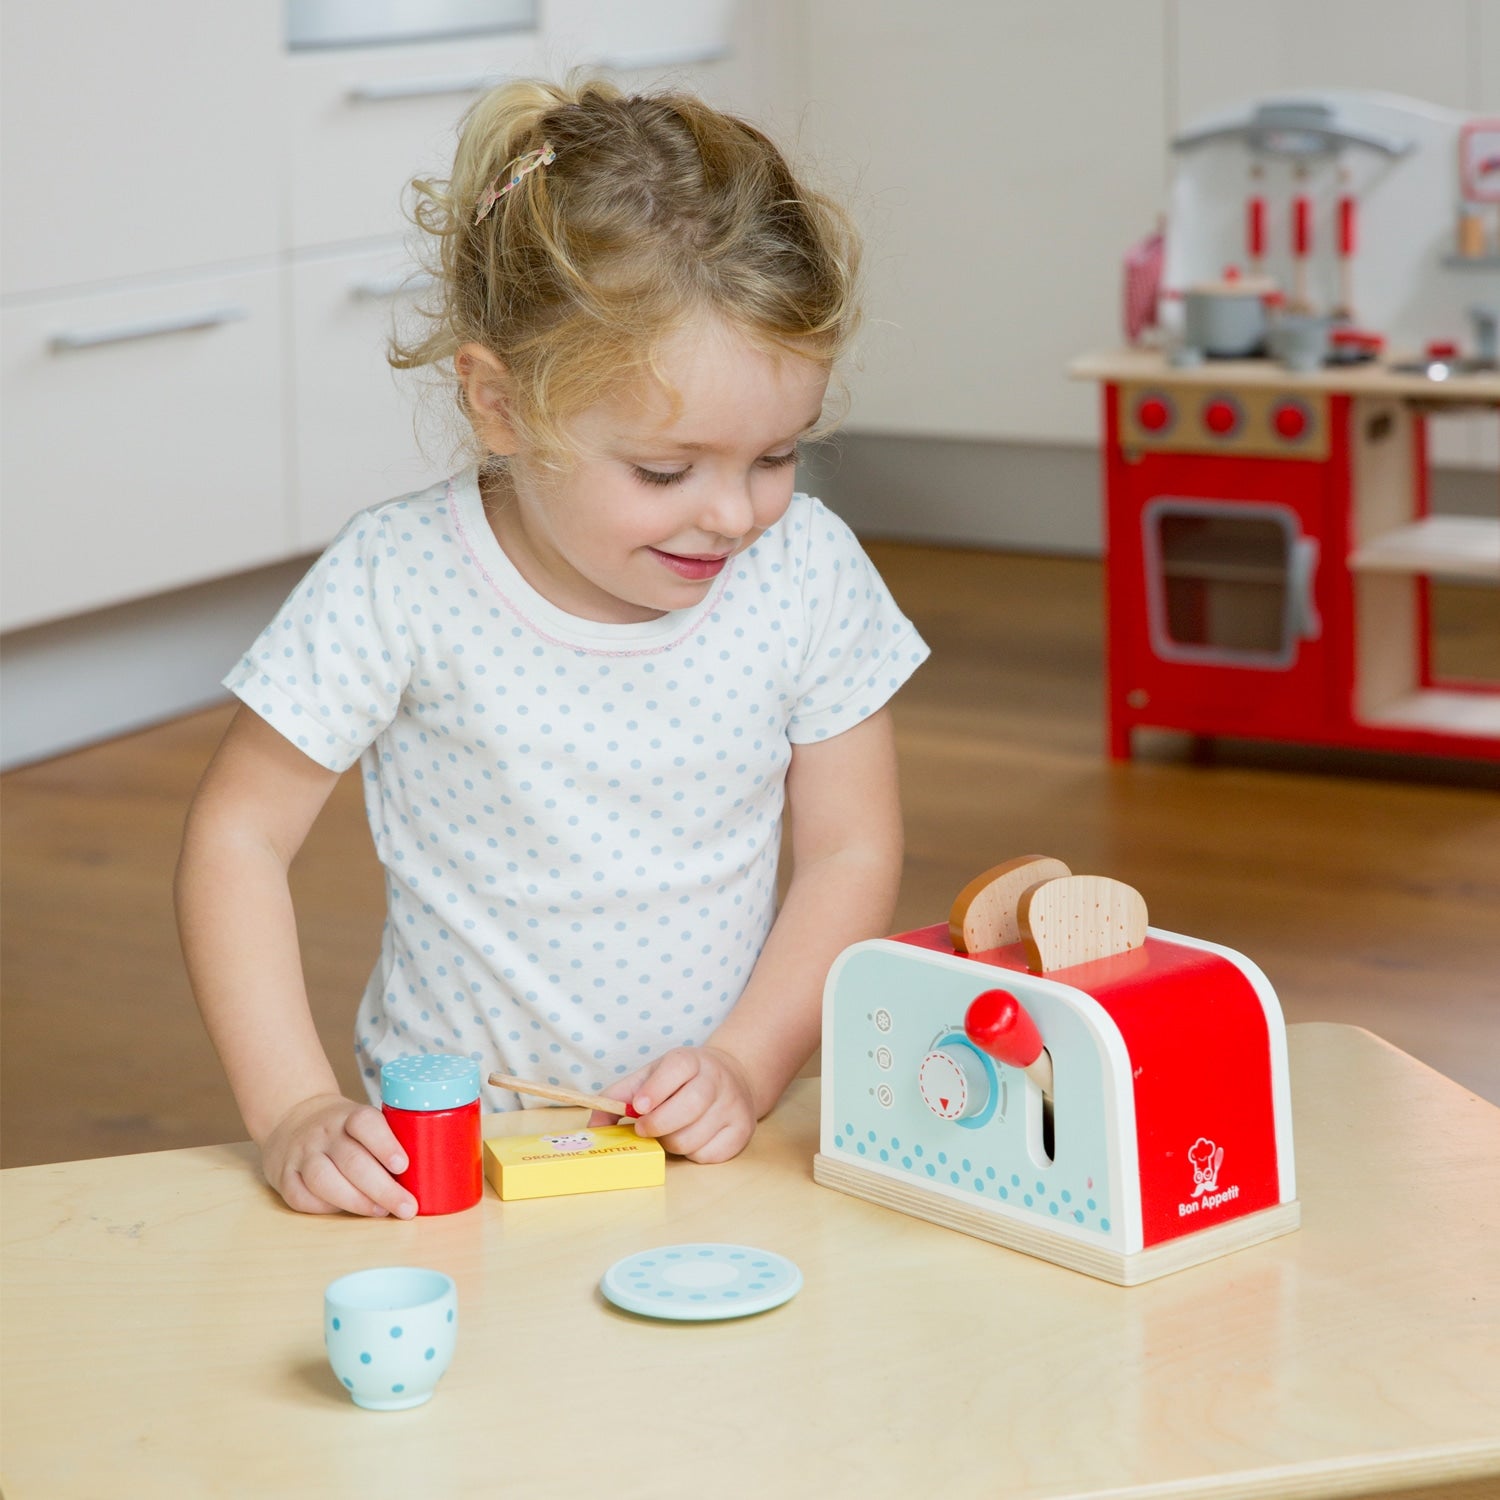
542	617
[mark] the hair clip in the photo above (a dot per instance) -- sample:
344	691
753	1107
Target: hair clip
544	157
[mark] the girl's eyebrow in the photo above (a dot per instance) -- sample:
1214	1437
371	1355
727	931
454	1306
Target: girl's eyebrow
686	447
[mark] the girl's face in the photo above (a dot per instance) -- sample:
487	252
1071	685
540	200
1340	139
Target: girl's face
665	491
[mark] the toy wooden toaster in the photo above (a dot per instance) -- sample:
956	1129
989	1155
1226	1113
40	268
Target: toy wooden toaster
1048	1072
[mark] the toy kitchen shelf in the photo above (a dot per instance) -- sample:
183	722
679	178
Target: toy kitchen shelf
1270	555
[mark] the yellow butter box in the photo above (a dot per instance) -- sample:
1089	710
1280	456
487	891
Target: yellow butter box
582	1161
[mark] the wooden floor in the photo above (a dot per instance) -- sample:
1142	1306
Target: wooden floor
1368	890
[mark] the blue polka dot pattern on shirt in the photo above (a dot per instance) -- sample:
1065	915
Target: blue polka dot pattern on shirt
579	823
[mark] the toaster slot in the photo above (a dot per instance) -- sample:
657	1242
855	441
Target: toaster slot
1041	1125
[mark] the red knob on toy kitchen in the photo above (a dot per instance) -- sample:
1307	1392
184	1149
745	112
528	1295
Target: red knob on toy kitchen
1154	414
1291	420
1221	416
432	1106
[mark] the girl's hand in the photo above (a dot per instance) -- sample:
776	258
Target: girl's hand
328	1155
696	1101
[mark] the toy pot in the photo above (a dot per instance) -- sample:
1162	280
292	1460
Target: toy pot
1300	343
1227	319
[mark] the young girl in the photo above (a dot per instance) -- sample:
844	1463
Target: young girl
583	677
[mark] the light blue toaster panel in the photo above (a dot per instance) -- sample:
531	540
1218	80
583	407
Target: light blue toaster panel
888	1006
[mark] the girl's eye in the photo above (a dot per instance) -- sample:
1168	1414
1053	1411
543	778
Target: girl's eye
663	477
659	476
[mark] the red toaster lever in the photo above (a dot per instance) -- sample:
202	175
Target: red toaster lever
997	1023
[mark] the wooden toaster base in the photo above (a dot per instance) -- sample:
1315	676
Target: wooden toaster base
1108	1265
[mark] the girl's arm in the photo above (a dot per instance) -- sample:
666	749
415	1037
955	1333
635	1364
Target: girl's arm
253	809
844	818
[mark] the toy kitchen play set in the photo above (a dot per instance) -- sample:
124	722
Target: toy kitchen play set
1047	1072
1328	279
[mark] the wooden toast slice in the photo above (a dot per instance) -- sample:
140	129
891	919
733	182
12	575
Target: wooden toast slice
984	914
1077	918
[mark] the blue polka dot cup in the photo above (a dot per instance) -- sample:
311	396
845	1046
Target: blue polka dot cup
390	1334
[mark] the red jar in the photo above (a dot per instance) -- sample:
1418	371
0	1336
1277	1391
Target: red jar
432	1106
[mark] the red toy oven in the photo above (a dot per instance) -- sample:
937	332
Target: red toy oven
1270	557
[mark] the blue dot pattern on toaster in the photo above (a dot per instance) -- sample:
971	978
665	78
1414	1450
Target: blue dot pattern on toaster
435	1081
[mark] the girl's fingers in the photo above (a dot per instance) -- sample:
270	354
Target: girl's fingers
700	1107
326	1182
686	1142
658	1083
301	1198
337	1157
679	1110
716	1135
370	1179
723	1145
627	1088
373	1131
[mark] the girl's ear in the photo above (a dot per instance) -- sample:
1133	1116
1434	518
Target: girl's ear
486	387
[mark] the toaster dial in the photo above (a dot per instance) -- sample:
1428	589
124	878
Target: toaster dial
954	1082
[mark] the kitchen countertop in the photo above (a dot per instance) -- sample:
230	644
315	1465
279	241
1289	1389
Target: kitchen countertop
1376	378
163	1333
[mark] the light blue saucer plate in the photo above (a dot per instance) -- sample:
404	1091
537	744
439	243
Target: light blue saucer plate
693	1283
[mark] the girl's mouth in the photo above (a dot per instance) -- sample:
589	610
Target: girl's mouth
694	568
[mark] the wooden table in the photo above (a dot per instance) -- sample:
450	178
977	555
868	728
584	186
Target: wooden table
163	1336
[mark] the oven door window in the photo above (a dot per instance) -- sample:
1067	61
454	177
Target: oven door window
1228	583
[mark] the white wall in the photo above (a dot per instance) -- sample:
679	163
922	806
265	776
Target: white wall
1006	155
1008	151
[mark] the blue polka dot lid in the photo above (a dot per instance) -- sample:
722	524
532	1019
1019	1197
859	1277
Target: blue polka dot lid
439	1081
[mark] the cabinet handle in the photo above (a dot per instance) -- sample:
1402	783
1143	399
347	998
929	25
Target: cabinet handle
668	57
383	89
1302	575
382	287
147	328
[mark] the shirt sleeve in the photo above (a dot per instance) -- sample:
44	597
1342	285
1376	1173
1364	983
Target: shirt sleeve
860	647
329	670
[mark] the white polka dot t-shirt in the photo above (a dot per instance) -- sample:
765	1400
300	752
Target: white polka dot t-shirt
579	822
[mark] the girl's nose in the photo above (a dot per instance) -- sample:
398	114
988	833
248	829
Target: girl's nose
730	511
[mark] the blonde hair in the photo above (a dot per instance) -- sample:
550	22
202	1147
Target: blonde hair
657	208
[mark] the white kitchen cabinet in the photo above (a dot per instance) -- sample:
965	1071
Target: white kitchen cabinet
360	123
143	441
354	436
139	139
201	229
